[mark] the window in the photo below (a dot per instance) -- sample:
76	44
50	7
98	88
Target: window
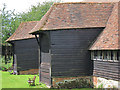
92	55
95	54
99	55
118	55
112	55
106	55
115	55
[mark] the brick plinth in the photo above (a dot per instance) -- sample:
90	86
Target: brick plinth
63	80
30	71
94	80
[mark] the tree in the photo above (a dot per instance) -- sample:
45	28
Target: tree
36	12
9	24
11	21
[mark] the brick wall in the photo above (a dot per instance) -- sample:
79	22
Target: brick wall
30	71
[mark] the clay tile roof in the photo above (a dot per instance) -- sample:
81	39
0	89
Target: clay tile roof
110	37
75	15
101	1
22	31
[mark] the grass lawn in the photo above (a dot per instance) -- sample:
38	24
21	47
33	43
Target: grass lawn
19	81
0	80
6	65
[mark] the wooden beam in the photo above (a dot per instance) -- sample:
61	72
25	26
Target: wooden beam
37	39
13	52
39	43
39	53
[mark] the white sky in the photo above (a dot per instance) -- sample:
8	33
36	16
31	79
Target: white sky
24	5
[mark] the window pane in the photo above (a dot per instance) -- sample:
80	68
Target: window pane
114	55
111	55
118	55
92	55
95	54
105	55
100	54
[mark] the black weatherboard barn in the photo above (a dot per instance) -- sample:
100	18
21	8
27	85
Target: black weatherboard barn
66	32
62	54
25	49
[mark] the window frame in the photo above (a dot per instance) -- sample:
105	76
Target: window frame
107	55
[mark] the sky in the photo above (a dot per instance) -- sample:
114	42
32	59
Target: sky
24	5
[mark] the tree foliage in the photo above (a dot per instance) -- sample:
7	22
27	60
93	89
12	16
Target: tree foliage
8	23
36	12
11	20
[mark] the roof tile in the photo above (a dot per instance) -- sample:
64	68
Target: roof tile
110	37
75	15
22	31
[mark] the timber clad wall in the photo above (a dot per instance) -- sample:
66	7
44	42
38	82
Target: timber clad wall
106	69
45	59
69	51
26	54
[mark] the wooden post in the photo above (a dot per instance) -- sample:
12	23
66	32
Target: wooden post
40	57
39	54
15	60
12	53
5	54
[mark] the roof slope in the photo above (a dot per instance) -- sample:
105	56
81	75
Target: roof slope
75	15
22	31
110	37
101	0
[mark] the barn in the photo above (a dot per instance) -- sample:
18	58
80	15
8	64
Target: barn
69	35
105	52
25	49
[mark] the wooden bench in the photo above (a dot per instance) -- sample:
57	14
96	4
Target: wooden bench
32	81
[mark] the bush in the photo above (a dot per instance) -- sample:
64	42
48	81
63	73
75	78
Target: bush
77	83
6	66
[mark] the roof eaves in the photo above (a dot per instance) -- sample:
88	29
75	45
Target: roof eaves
19	39
43	21
82	2
64	28
18	30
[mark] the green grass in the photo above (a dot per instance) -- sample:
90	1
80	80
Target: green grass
0	79
8	65
19	81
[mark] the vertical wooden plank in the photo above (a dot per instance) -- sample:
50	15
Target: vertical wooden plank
15	64
39	57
